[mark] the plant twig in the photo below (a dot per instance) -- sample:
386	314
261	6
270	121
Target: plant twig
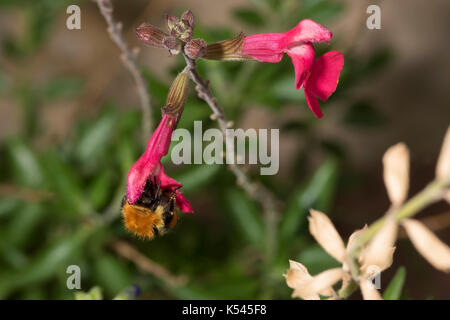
435	223
26	194
146	265
129	60
255	190
432	193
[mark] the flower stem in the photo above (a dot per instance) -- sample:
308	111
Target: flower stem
255	190
432	193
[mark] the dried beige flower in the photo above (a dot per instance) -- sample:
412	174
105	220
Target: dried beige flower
323	230
443	165
350	245
297	274
396	172
430	247
380	250
354	236
296	277
319	284
368	290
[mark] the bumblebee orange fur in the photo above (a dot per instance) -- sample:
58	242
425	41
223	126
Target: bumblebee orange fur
142	221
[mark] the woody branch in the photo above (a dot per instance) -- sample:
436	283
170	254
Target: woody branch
129	60
255	190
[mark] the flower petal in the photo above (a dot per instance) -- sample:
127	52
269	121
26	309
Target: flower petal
265	47
183	203
368	290
308	31
380	250
149	163
354	236
324	76
396	173
321	283
430	247
313	104
296	275
168	182
302	57
323	230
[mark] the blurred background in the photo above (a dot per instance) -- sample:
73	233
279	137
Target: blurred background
70	127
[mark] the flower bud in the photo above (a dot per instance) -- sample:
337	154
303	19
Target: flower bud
195	49
176	99
171	22
151	35
188	18
181	29
186	36
172	44
227	49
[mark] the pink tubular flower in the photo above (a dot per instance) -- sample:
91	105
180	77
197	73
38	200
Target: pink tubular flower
148	167
319	77
148	170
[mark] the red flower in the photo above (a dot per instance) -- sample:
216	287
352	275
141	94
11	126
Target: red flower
149	167
319	77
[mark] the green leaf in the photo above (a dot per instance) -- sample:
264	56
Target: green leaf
25	166
64	182
320	10
316	259
284	89
197	177
246	216
100	189
248	16
23	223
94	294
317	193
394	289
191	292
96	138
194	112
112	274
129	293
45	265
62	87
157	88
8	206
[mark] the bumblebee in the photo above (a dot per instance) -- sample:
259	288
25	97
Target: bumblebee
153	214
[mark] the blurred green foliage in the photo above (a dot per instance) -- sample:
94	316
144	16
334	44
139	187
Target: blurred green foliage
77	184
